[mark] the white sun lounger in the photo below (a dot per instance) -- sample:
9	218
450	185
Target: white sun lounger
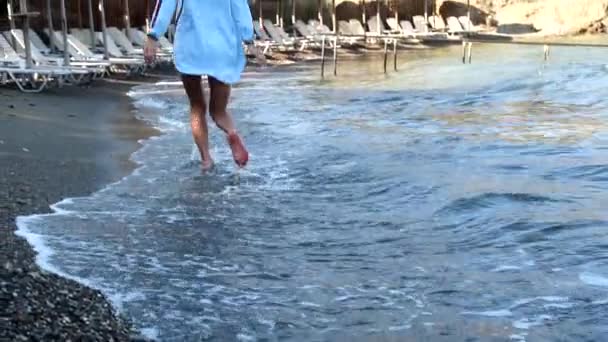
437	23
29	80
468	25
79	69
138	37
123	42
276	36
79	50
121	39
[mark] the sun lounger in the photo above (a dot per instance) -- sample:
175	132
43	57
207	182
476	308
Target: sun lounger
263	38
34	79
38	43
377	27
138	37
123	42
407	27
357	28
79	70
468	25
80	51
303	30
276	36
319	28
454	25
307	32
437	23
420	25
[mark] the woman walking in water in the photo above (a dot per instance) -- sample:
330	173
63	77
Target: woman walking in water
208	41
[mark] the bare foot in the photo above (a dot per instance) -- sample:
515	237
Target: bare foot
207	164
239	152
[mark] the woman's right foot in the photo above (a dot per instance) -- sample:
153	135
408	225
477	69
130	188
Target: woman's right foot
239	152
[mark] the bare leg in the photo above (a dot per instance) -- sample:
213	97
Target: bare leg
198	120
220	95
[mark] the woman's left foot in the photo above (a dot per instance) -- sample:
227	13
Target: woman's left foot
207	165
239	152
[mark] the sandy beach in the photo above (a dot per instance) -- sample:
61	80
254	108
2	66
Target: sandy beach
62	143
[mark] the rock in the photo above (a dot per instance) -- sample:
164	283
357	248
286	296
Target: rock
516	28
548	17
8	266
22	201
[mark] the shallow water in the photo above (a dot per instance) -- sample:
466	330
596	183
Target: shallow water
441	202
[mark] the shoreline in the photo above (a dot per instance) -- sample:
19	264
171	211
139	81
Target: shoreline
62	144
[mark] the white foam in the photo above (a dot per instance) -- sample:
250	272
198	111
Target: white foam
150	333
245	338
518	337
310	304
593	279
490	313
399	327
600	302
43	253
526	323
558	306
168	123
118	299
150	102
171	83
504	268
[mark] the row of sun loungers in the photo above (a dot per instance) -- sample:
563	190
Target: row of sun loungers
86	60
91	56
353	32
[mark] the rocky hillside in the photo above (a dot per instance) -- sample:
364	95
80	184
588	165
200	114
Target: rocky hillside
549	17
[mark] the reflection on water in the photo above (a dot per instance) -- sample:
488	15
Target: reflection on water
442	202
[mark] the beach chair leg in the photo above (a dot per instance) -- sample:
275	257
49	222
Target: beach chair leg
464	52
29	86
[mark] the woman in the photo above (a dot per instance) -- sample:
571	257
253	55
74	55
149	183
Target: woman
208	41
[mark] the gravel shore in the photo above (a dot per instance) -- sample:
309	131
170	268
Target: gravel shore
62	143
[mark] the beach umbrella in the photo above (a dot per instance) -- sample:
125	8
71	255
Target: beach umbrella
11	19
378	16
64	31
147	16
397	11
333	17
127	19
26	28
79	3
293	15
426	12
469	15
102	11
320	11
279	18
92	24
363	14
49	17
261	14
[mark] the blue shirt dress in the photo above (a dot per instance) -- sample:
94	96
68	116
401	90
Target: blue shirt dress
209	35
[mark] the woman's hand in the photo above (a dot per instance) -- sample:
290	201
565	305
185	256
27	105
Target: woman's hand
150	48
